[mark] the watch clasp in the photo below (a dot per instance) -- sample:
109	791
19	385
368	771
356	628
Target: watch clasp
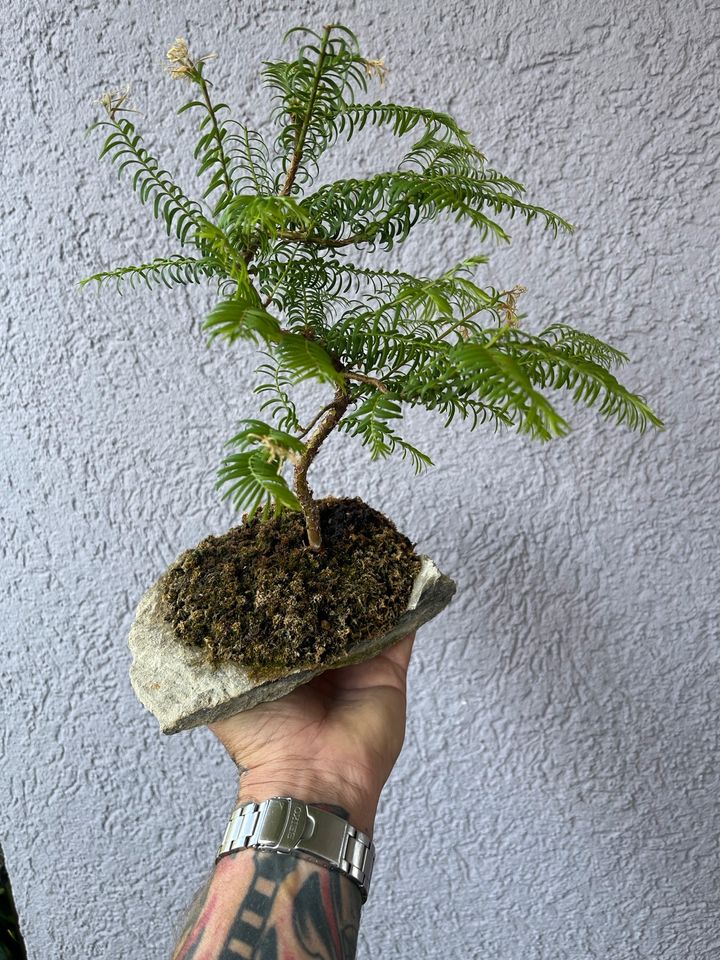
286	824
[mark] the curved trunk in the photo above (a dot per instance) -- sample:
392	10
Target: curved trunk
304	494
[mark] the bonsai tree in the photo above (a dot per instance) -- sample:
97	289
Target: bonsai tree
304	585
279	255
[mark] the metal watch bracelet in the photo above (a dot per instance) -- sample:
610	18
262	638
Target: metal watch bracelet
292	826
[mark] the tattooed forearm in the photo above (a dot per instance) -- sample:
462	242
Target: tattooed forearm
190	919
320	925
265	905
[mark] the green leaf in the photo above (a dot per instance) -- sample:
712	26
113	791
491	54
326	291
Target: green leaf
278	400
371	423
236	319
254	482
150	181
254	430
227	254
252	476
560	366
177	269
498	379
384	208
270	214
307	92
563	337
404	118
304	359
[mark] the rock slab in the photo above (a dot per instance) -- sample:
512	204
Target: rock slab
182	690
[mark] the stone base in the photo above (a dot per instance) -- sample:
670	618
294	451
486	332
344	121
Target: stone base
183	690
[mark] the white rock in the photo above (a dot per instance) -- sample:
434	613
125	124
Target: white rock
182	690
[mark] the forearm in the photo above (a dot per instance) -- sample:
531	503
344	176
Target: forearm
329	746
274	905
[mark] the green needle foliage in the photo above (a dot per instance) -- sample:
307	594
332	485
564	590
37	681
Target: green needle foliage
279	255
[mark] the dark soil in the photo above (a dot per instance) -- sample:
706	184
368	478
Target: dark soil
258	596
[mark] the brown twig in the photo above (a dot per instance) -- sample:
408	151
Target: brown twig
364	378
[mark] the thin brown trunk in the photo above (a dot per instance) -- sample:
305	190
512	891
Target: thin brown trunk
302	488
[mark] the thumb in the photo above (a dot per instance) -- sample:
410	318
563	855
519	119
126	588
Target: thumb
400	652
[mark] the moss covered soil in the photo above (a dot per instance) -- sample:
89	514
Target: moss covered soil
259	597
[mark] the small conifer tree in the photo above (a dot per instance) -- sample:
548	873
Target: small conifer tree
379	339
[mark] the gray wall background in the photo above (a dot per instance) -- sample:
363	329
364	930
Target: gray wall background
557	795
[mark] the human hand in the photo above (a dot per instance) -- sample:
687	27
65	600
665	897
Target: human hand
333	740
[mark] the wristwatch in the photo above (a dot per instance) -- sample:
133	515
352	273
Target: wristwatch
292	826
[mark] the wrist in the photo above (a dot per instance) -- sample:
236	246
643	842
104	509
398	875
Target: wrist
354	804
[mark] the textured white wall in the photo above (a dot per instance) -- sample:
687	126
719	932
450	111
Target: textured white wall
557	796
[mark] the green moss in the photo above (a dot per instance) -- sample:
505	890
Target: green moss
259	597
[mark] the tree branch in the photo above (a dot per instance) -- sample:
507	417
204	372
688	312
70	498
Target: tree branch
202	83
300	138
364	378
322	241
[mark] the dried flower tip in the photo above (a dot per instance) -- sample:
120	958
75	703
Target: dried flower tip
180	70
181	63
276	451
179	52
510	304
377	66
113	102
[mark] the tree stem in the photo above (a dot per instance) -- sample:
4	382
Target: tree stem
304	494
251	249
302	132
227	179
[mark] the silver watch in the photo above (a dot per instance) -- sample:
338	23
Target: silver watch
292	826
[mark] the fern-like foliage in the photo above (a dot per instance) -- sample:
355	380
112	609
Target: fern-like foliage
276	386
506	378
353	117
306	359
252	474
280	255
170	271
239	319
229	152
247	214
384	208
152	184
371	421
308	92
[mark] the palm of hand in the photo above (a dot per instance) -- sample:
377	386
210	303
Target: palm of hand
346	725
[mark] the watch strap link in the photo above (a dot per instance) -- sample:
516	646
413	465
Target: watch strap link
292	826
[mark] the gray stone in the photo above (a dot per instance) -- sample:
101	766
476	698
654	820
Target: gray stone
183	690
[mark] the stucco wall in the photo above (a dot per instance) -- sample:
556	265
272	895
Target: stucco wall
557	795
